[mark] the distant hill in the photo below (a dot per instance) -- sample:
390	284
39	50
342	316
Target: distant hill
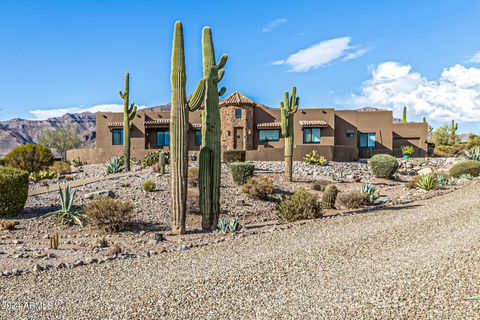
18	131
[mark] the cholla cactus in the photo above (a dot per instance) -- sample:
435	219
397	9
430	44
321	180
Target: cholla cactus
288	110
129	113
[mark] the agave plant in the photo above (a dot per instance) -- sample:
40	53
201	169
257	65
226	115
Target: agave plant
225	226
370	190
446	181
466	176
67	214
113	165
427	182
473	154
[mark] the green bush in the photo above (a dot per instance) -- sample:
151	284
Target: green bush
153	157
13	191
383	165
260	187
241	171
230	156
314	158
29	157
470	167
41	175
354	199
149	186
302	204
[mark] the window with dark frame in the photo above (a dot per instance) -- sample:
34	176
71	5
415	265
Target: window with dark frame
266	135
163	138
368	140
117	137
198	137
311	135
350	135
238	113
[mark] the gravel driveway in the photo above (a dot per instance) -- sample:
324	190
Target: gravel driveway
417	261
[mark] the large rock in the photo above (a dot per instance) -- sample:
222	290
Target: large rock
100	193
425	171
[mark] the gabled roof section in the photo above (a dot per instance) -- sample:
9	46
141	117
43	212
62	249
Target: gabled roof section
237	99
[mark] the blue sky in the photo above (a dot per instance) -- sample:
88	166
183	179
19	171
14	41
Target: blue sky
62	56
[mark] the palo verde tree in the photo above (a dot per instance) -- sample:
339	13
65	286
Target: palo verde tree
129	112
209	157
62	139
179	129
288	108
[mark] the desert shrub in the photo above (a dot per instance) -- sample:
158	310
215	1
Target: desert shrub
383	165
114	165
412	183
109	214
77	162
449	150
193	177
68	213
408	150
473	141
13	191
314	158
152	157
2	162
470	167
60	168
427	182
241	171
353	199
230	156
320	185
260	187
302	204
329	197
473	154
149	186
41	175
29	157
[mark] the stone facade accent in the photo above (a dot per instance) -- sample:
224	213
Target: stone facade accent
237	133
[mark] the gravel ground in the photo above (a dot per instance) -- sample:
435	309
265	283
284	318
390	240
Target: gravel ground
417	261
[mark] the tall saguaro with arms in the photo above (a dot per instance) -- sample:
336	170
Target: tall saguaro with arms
129	113
210	162
287	111
179	129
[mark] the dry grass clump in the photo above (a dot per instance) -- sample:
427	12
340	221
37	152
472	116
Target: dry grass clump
302	204
8	224
260	187
320	185
193	177
109	214
353	199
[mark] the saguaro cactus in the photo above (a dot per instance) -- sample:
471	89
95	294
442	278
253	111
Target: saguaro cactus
128	115
209	158
287	111
179	129
404	115
453	132
430	129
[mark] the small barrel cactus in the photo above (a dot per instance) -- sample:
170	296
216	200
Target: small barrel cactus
161	163
329	197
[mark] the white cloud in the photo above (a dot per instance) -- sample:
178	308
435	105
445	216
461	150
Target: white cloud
475	58
321	54
40	114
274	24
455	95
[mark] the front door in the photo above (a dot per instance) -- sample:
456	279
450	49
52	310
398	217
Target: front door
238	139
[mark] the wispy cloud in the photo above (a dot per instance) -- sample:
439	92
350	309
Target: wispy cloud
41	114
454	95
321	54
475	58
274	24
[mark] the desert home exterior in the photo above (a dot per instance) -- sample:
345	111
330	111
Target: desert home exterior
340	135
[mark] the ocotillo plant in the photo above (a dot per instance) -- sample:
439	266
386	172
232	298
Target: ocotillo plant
404	114
179	129
128	115
453	132
430	129
209	158
287	111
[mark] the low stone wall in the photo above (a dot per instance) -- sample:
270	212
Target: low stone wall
336	153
